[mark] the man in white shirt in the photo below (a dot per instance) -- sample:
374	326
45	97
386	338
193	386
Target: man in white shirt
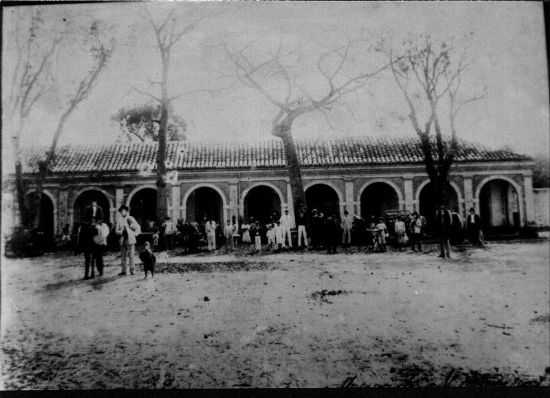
347	223
100	246
210	229
279	237
286	223
228	234
127	228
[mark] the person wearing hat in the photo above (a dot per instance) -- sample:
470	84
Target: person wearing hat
127	228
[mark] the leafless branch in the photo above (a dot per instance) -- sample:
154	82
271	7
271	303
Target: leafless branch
147	94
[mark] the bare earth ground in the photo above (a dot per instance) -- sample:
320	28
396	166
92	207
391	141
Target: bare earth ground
280	320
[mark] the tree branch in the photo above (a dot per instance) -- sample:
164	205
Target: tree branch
146	94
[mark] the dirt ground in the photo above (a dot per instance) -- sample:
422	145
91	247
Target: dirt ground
280	320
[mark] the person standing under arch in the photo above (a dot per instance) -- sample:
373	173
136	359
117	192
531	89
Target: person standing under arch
444	225
93	213
210	230
285	227
473	228
347	224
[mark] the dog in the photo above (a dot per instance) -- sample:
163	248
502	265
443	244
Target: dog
149	260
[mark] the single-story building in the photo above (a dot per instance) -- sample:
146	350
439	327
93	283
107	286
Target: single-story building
366	176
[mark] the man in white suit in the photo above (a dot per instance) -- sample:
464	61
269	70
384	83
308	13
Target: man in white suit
210	229
286	223
127	228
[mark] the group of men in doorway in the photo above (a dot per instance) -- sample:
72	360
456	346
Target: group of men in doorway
321	231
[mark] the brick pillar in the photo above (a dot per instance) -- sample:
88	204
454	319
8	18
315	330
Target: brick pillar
350	204
233	208
409	195
119	201
469	200
175	208
529	213
63	209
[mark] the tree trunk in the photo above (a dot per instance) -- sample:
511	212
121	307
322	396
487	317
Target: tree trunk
20	186
37	197
162	189
437	172
294	172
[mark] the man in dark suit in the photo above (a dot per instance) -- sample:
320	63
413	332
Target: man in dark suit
473	226
93	213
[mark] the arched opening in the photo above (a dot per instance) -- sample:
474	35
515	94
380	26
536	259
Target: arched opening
46	223
85	199
499	205
323	198
204	202
378	198
143	207
262	203
428	203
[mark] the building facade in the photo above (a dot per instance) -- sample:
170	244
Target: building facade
364	176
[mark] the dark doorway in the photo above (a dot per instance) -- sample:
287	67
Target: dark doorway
323	198
499	205
204	202
377	198
261	202
428	206
46	224
143	207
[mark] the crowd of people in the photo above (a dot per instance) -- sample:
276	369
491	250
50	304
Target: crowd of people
315	231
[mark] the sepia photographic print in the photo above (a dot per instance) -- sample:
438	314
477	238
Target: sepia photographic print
274	194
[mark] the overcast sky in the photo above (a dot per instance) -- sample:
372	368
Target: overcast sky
508	50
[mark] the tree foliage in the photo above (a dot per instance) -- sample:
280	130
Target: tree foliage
141	123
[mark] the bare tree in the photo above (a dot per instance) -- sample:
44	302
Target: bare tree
168	32
430	76
99	52
295	100
32	78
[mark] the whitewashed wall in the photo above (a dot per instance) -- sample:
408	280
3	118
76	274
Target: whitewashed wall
542	206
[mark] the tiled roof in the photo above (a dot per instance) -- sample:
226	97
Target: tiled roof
264	154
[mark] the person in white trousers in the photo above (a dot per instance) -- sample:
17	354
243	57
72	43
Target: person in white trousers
347	224
210	229
285	226
302	233
127	229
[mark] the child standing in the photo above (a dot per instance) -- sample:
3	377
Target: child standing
149	260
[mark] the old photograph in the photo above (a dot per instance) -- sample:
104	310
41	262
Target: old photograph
235	194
